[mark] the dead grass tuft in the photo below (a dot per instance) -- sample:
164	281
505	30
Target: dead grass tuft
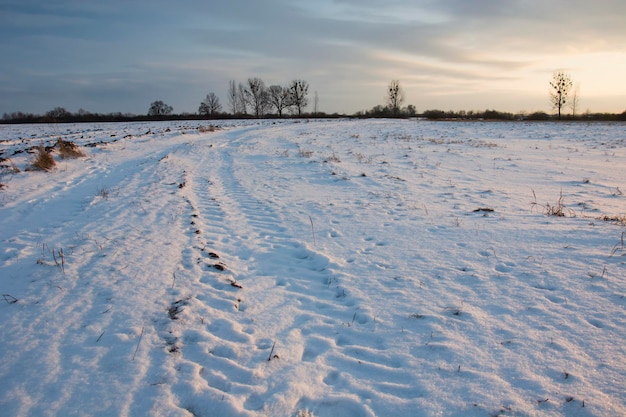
68	150
614	219
43	160
206	129
556	210
333	158
305	153
8	166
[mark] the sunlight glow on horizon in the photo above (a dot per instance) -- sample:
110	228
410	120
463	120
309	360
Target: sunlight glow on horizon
446	54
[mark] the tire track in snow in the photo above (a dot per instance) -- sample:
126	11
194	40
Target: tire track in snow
96	234
245	346
224	323
298	298
203	336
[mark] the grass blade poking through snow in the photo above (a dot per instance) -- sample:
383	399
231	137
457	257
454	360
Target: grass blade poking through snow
138	342
269	358
312	231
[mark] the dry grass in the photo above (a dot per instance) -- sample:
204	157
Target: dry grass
43	160
621	219
7	168
209	128
68	150
556	210
305	153
333	158
362	158
103	192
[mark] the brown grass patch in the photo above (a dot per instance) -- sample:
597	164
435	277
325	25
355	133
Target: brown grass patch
43	160
209	128
615	219
68	150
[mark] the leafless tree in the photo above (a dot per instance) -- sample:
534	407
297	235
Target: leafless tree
395	97
256	95
298	90
210	106
241	99
233	102
159	108
58	113
278	98
561	85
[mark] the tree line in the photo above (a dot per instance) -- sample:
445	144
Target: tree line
254	98
259	99
245	100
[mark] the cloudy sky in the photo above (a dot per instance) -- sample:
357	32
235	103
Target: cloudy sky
120	55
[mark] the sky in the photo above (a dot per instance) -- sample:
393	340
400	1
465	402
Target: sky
119	56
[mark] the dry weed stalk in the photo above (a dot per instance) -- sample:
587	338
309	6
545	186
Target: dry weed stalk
138	342
271	352
60	261
557	210
9	299
8	166
312	231
620	246
305	153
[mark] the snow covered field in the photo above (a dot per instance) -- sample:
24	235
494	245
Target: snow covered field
321	268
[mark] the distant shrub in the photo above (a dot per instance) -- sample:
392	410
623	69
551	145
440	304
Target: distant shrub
538	115
435	114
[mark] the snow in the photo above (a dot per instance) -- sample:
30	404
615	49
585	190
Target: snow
314	268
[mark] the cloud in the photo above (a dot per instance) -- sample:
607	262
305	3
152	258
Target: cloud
339	46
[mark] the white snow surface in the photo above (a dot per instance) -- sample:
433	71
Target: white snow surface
314	268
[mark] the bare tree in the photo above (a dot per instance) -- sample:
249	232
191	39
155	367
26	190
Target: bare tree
232	97
158	108
210	106
395	97
58	113
256	95
278	98
298	90
573	103
241	99
561	85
